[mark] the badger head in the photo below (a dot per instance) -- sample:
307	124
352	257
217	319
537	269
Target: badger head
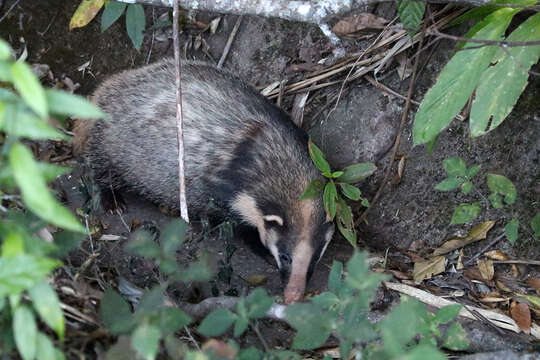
297	234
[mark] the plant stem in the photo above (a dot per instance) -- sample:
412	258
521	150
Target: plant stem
255	328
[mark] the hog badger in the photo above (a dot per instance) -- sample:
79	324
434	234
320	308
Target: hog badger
240	150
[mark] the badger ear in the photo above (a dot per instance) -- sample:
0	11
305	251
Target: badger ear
273	219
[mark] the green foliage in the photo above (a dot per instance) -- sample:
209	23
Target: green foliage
511	231
135	24
496	75
334	205
411	13
26	260
113	11
535	225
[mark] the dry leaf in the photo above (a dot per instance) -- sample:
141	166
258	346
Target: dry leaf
534	283
496	255
86	11
414	257
404	68
522	316
358	25
400	274
401	167
501	285
477	233
426	269
257	280
492	299
473	274
459	265
534	301
486	269
297	113
220	348
214	25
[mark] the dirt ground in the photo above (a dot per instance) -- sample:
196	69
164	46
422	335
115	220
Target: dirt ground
410	215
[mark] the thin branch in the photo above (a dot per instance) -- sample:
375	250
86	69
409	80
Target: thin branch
179	117
484	249
229	42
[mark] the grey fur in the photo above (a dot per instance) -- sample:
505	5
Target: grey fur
236	142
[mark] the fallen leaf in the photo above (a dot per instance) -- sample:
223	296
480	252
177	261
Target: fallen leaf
477	233
426	269
414	257
534	301
459	265
257	280
86	11
492	299
486	269
358	25
404	68
214	25
473	274
522	316
401	167
496	255
220	348
501	285
534	283
400	274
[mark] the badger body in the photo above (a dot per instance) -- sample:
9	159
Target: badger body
241	151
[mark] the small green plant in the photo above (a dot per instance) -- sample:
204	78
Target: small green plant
334	203
27	206
135	19
503	192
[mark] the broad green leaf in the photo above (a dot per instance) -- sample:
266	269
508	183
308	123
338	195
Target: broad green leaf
458	79
496	200
251	353
217	322
5	71
66	241
258	303
142	243
145	341
240	326
334	278
472	171
113	10
47	305
171	320
337	174
85	12
511	231
45	348
447	314
150	303
49	171
502	84
28	86
325	300
351	191
465	213
21	122
25	332
115	313
313	327
449	183
466	187
329	199
314	188
355	173
424	352
535	225
411	14
348	234
135	24
502	185
344	213
173	236
5	50
23	271
64	103
34	191
318	157
455	166
12	244
456	338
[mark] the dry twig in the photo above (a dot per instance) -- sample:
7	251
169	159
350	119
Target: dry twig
229	42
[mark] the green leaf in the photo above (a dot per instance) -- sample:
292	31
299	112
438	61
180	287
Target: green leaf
172	319
344	214
458	79
251	353
21	122
337	174
28	86
448	184
502	84
23	271
535	225
113	10
424	352
314	188
145	341
472	171
66	241
411	14
496	200
334	278
476	13
5	50
45	347
329	199
455	166
501	185
258	303
135	24
355	173
447	314
142	243
35	193
25	332
325	300
351	191
465	213
466	187
313	327
47	305
217	322
173	236
115	313
456	338
64	103
348	234
511	231
318	157
240	326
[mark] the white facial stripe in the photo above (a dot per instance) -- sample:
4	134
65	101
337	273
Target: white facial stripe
328	238
275	218
246	207
274	250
